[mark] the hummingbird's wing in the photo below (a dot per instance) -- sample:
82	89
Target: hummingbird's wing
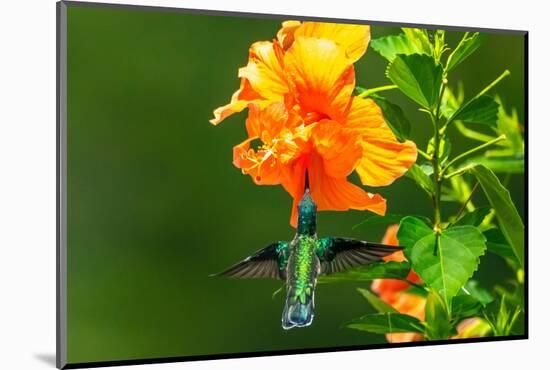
269	262
340	254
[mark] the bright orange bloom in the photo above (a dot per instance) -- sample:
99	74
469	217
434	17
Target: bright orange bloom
298	89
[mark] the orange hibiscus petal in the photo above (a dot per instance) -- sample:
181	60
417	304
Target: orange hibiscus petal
338	194
266	123
364	113
410	304
384	158
323	77
264	71
390	236
404	337
285	36
339	149
240	99
353	38
387	289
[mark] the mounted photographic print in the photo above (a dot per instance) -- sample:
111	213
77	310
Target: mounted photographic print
235	185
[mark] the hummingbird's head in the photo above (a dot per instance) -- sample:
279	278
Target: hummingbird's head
307	214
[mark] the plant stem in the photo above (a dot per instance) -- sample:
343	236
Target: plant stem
436	163
492	84
368	92
471	151
458	172
424	154
467	201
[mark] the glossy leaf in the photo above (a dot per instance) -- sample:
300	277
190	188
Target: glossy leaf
394	117
386	323
503	322
420	39
378	304
465	306
447	261
466	46
481	110
508	217
509	125
500	164
479	293
418	77
427	167
412	229
438	325
390	46
419	176
497	244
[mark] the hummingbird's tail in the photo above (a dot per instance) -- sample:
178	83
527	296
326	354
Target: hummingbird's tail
298	309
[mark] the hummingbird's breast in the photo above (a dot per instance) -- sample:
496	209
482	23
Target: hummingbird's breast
303	265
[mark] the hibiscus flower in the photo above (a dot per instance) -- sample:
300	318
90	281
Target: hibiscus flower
303	119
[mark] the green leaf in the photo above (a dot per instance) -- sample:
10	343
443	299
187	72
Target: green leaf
503	322
394	117
465	306
427	167
438	325
445	262
508	217
509	125
474	218
412	229
500	164
374	220
450	101
464	49
417	290
418	77
497	244
386	323
439	45
419	176
379	270
378	304
482	110
389	46
412	41
420	39
479	293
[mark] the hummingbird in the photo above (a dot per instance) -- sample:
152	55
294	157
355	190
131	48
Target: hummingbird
300	261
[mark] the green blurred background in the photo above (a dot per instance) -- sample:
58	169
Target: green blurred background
155	204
